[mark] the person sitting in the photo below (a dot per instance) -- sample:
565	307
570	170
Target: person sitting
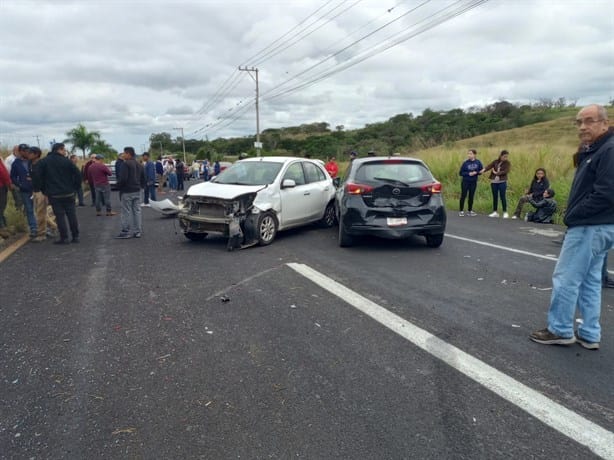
535	191
545	208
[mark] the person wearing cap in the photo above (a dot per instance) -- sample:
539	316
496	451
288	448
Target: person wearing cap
353	155
130	182
21	176
150	179
75	159
59	179
98	174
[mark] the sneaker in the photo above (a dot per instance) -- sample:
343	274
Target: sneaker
586	344
461	214
493	214
123	236
39	239
545	337
111	213
137	234
472	214
506	215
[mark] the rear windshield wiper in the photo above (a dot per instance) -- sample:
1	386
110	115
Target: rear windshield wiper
392	181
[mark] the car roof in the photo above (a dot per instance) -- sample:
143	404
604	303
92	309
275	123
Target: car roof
277	159
397	159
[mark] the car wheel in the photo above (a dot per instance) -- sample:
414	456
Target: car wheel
434	241
267	228
329	216
195	236
345	239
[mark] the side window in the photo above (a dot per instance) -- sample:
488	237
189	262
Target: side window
295	172
313	173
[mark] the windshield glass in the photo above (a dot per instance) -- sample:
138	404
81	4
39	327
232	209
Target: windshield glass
401	173
250	173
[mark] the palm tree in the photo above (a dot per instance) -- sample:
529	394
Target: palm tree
81	138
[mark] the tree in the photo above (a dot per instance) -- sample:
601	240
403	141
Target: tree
103	148
82	139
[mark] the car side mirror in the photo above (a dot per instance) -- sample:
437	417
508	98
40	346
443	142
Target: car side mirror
288	183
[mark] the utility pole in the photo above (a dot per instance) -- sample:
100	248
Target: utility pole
257	144
183	144
161	151
38	142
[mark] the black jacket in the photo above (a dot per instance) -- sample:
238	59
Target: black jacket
131	177
546	207
56	176
591	198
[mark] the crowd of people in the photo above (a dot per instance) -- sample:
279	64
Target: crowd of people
538	193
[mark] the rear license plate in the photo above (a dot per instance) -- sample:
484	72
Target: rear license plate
396	221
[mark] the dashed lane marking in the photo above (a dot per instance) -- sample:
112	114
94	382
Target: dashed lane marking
597	439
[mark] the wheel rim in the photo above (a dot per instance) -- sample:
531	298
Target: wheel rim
330	215
267	229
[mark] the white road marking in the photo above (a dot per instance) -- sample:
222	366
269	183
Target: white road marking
505	248
597	439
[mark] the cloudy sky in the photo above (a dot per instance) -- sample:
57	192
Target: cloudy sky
130	68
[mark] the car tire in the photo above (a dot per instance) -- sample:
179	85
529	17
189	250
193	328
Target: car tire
195	236
434	241
345	240
330	216
267	228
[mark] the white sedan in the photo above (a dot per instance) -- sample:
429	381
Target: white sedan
254	198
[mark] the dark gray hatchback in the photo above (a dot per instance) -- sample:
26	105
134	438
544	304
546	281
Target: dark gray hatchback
390	197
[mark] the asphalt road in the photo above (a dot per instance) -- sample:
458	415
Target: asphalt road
166	348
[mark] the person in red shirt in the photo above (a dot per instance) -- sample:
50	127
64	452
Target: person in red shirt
98	174
5	185
332	167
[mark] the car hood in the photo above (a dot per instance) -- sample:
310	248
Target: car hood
223	191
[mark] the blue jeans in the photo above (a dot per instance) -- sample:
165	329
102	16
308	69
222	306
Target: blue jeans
499	189
131	212
28	203
150	192
102	196
577	281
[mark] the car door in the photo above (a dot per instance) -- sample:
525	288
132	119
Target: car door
320	188
295	201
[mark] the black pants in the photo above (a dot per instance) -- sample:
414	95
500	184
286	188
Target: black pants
4	193
180	181
467	188
64	208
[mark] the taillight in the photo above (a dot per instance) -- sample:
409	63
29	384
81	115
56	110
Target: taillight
435	187
357	189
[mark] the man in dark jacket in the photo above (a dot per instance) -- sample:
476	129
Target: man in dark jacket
590	221
59	179
130	182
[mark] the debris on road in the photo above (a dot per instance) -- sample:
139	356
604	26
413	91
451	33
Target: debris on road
225	298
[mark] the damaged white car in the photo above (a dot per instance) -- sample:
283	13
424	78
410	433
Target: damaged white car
254	198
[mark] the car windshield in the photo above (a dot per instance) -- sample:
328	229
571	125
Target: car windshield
394	172
250	173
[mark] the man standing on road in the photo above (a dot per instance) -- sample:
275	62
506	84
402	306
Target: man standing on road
590	234
130	182
98	174
86	177
59	179
150	178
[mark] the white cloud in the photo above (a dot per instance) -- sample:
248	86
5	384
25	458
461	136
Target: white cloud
133	68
